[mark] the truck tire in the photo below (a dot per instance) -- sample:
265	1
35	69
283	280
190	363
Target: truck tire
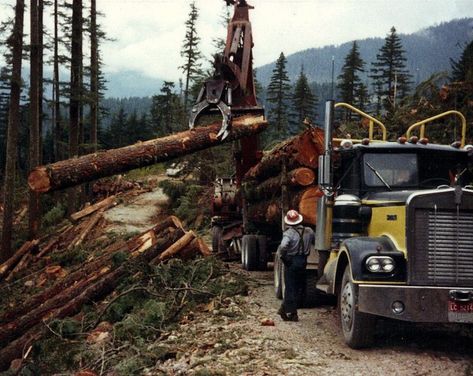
312	295
250	252
358	328
278	276
262	252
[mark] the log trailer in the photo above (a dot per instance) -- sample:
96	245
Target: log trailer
394	222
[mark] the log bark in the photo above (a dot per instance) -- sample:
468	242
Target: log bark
302	150
12	261
104	204
270	211
176	247
85	231
269	188
90	167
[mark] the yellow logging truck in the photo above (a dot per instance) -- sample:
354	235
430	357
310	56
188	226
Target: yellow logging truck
395	229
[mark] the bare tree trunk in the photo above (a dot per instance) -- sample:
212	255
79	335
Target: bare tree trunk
34	140
16	41
57	132
94	73
74	101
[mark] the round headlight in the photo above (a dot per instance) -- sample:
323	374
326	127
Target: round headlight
387	264
380	264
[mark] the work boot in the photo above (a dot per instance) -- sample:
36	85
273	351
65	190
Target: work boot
282	313
292	317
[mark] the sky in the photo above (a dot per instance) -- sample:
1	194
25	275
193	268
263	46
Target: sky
148	34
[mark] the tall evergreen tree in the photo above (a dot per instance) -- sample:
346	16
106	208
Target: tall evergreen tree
75	100
304	102
36	95
462	70
278	96
350	87
191	53
165	110
16	45
390	77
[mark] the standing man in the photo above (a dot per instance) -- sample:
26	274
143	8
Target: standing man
293	251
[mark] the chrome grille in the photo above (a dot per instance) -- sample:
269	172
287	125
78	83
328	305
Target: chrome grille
443	246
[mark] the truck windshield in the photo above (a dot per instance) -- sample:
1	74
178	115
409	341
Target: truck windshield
390	170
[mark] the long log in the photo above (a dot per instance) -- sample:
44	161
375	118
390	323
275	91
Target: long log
90	167
270	211
104	204
12	261
299	177
301	150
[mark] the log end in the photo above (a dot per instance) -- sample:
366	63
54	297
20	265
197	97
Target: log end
39	181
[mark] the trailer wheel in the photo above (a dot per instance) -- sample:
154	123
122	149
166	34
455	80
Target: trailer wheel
358	328
278	276
218	246
262	252
250	252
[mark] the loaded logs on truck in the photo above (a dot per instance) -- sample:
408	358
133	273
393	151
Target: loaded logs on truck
292	165
90	167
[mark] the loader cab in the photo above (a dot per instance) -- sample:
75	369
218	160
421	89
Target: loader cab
393	167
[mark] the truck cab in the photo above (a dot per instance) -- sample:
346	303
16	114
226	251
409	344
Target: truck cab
399	234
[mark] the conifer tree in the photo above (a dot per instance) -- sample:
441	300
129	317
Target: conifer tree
351	89
190	52
462	70
165	110
278	96
16	44
304	102
390	77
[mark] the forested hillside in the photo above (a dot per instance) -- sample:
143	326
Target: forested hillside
428	51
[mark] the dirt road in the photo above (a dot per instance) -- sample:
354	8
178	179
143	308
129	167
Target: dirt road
230	340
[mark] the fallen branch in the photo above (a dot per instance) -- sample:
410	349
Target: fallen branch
104	205
12	261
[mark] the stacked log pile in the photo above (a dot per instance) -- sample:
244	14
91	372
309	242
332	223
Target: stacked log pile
63	290
290	170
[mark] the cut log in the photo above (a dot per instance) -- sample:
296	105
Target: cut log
175	248
269	188
104	204
15	349
12	261
300	151
85	231
90	167
270	211
20	266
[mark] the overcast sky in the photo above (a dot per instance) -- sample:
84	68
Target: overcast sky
148	34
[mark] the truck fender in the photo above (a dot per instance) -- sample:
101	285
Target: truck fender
354	251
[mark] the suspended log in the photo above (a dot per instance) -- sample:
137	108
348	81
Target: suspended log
90	167
302	150
12	261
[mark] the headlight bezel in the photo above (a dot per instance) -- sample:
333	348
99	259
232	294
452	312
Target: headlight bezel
380	264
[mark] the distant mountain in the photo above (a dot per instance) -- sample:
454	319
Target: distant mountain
131	84
428	51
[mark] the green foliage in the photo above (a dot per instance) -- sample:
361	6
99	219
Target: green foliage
389	73
462	70
67	328
54	216
70	257
352	89
166	111
278	96
304	103
174	189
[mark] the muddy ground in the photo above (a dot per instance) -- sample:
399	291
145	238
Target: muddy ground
231	340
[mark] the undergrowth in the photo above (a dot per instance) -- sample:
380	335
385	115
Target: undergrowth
145	307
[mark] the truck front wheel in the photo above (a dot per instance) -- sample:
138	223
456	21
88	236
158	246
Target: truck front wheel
358	328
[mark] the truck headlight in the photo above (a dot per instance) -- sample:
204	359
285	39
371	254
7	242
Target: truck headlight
380	264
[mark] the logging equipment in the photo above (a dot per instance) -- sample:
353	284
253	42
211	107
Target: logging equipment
231	90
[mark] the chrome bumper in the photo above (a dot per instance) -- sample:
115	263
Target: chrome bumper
422	303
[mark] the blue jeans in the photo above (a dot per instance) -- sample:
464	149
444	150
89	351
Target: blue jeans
294	278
